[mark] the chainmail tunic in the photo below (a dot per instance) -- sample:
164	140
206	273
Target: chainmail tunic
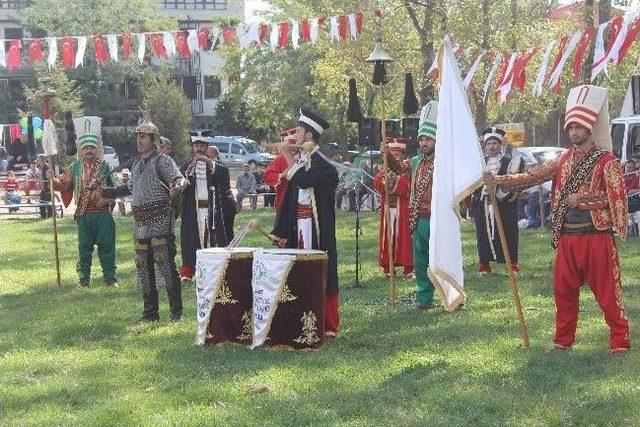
150	178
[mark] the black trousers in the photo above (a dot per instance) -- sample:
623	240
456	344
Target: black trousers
159	251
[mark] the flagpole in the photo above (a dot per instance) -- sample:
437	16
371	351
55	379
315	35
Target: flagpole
387	210
46	94
524	333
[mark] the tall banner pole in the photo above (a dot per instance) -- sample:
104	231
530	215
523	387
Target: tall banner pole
387	210
46	94
524	333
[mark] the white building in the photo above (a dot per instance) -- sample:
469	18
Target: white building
200	76
205	68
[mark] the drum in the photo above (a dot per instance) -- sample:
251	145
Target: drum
223	287
298	320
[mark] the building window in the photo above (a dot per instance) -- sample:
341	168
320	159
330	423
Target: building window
212	87
195	4
15	4
13	33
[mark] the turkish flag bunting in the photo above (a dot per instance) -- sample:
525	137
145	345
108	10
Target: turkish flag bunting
229	34
614	29
305	30
359	22
126	46
203	38
158	46
181	44
503	71
68	55
100	49
14	57
283	37
520	68
581	52
561	47
343	23
632	33
264	31
35	51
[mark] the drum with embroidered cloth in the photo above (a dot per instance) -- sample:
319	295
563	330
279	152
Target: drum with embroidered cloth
288	298
224	300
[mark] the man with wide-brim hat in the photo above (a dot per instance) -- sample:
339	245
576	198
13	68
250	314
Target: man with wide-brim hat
155	180
83	180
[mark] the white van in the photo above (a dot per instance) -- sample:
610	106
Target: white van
237	150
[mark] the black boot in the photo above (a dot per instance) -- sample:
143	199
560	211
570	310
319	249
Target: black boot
150	312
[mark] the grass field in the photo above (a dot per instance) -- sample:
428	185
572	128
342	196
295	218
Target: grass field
75	356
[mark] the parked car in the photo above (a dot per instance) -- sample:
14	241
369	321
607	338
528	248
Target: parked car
237	150
534	156
111	157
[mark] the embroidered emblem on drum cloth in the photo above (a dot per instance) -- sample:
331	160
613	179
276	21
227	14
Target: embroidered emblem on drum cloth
309	329
286	295
224	296
247	327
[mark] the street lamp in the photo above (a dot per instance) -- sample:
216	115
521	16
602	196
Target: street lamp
379	57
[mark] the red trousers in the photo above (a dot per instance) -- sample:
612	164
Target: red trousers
331	314
591	259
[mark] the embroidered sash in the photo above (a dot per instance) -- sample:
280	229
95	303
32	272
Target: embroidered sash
418	189
87	190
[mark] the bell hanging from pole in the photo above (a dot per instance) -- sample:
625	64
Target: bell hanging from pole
379	54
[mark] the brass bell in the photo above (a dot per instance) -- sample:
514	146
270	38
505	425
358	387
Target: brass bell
379	54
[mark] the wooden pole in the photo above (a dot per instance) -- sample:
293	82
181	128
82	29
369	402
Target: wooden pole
387	211
524	333
55	224
47	115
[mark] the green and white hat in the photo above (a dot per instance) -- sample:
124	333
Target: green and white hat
88	129
428	120
88	139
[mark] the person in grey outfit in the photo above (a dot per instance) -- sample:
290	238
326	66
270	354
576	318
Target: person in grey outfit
155	180
246	184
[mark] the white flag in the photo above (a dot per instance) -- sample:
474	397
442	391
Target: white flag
557	72
244	36
275	33
49	138
82	47
333	28
3	55
507	82
473	69
142	40
295	34
53	51
315	26
211	269
169	43
542	71
487	83
600	54
112	43
456	144
269	275
192	41
353	28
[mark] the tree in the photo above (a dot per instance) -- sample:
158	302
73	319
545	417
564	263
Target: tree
167	106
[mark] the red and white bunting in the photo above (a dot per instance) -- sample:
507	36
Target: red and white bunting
542	71
581	52
487	84
554	78
472	71
35	51
68	56
52	43
82	48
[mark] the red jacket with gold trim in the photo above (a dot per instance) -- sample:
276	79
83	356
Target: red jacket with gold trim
603	195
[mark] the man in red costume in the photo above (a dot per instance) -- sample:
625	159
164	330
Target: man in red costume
589	205
276	173
400	189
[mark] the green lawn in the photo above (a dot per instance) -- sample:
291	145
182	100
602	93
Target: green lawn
75	357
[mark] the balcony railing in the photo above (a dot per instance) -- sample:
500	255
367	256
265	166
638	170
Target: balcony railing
15	4
194	4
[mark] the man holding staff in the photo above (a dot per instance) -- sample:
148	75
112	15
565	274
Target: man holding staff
589	205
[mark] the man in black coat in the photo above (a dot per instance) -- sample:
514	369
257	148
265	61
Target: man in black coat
488	239
202	223
307	219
